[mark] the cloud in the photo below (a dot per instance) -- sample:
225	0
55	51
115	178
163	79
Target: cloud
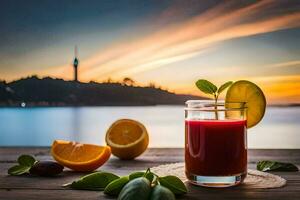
180	41
284	64
155	64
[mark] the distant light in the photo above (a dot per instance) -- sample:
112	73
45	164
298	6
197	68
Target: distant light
23	104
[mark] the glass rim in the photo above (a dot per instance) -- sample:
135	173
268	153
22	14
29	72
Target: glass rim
210	106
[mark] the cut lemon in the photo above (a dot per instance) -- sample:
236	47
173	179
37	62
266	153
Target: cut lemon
79	157
252	95
127	138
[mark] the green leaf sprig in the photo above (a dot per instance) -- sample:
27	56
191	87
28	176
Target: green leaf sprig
267	165
25	162
209	88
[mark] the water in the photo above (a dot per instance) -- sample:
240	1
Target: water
280	127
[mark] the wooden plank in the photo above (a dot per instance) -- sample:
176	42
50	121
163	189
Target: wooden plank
25	187
196	193
9	154
50	195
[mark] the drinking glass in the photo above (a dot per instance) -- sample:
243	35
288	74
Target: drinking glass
215	143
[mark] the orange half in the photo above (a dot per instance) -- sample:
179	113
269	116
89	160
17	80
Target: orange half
127	138
78	156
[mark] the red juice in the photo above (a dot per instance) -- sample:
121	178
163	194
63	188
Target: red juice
215	147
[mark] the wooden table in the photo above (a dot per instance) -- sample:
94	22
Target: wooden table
25	187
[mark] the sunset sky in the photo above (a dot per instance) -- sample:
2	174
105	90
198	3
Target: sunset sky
170	42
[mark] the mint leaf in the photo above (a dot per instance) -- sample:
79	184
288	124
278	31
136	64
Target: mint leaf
224	86
267	165
206	86
26	160
25	163
18	170
174	184
93	181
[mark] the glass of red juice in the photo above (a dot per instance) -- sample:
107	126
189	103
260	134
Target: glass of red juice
215	143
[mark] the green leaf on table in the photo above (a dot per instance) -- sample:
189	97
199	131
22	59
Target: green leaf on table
18	170
134	175
93	181
26	160
115	187
224	86
267	165
206	86
174	184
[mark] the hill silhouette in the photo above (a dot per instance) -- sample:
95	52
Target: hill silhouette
57	92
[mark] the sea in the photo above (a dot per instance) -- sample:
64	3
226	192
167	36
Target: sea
280	127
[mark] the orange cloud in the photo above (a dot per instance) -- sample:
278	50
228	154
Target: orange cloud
183	40
284	64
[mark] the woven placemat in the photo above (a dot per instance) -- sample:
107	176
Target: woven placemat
254	179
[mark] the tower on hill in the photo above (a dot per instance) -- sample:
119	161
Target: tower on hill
75	65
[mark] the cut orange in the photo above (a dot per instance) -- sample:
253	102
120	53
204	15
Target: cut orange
127	138
79	157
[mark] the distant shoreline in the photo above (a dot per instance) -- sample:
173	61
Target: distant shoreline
49	92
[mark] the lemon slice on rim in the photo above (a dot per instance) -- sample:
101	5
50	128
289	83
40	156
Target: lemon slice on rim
252	95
